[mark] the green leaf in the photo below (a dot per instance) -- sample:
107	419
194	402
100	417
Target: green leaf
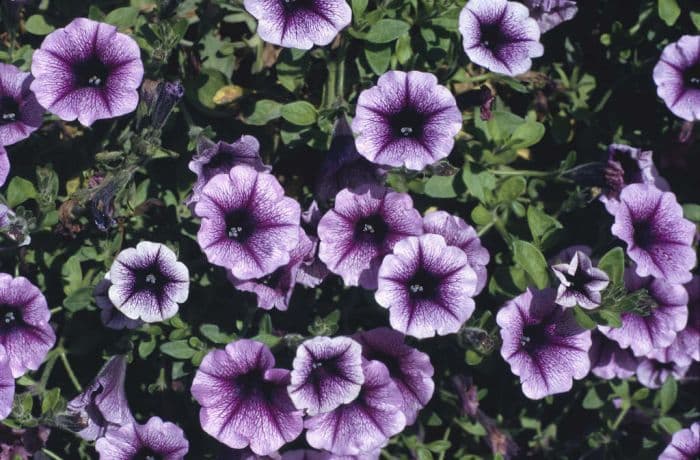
146	348
668	394
530	259
378	58
583	319
669	11
481	216
670	425
178	349
265	110
123	18
542	226
510	189
36	24
79	299
592	401
613	263
695	17
212	332
50	400
610	318
440	187
387	30
692	212
527	134
439	446
480	183
299	113
358	8
19	191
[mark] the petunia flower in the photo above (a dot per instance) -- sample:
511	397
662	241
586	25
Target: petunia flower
500	35
652	373
609	361
659	239
366	423
299	23
580	282
363	226
409	368
677	77
102	406
248	225
148	282
658	329
407	119
87	70
25	332
244	398
551	13
109	315
155	439
7	385
20	113
313	271
543	344
427	286
684	445
686	347
310	454
327	372
458	233
4	172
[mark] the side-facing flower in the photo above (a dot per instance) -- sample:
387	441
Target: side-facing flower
609	361
4	172
407	119
248	225
659	239
500	35
313	271
299	23
580	282
148	282
20	113
155	439
677	77
684	445
87	70
551	13
652	373
363	226
109	315
427	286
25	332
327	372
543	344
366	423
686	347
244	398
628	165
7	385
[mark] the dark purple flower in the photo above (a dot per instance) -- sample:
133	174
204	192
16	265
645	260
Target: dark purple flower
169	94
299	23
551	13
543	344
87	71
658	238
609	361
407	119
109	315
148	282
155	439
313	271
366	423
677	77
409	369
327	372
685	444
23	443
363	226
244	398
427	286
7	385
20	113
652	373
500	35
102	405
248	225
669	314
580	283
24	324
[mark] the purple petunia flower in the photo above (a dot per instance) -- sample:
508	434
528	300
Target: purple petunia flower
148	282
543	344
366	423
299	23
310	454
87	71
25	332
109	315
580	283
20	113
658	329
155	439
409	369
608	360
7	385
659	239
327	372
684	445
244	399
686	347
407	119
458	233
677	77
4	172
652	373
500	35
248	225
551	13
313	271
427	287
363	226
102	406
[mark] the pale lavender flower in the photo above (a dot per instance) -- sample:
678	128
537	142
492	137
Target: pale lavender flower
155	439
20	113
652	373
551	13
684	445
109	315
677	77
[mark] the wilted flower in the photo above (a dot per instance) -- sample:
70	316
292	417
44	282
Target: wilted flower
248	225
20	113
244	399
543	344
580	283
685	444
427	286
109	315
628	165
25	332
652	373
7	385
677	77
407	119
482	98
327	372
659	239
87	71
500	35
169	94
155	439
551	13
363	226
364	424
22	443
299	23
409	369
608	360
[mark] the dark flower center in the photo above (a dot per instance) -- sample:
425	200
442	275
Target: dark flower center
423	285
9	110
10	316
221	160
407	123
146	453
578	280
391	362
254	385
692	76
320	370
492	36
91	73
643	234
534	336
294	5
630	167
240	225
274	279
371	229
150	279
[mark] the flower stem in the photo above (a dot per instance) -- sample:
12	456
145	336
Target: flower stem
479	78
621	416
56	310
50	454
69	370
522	172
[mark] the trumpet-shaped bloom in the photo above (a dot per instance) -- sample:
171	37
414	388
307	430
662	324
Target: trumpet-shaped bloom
685	444
7	385
677	77
551	13
155	439
20	113
109	315
609	361
652	373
